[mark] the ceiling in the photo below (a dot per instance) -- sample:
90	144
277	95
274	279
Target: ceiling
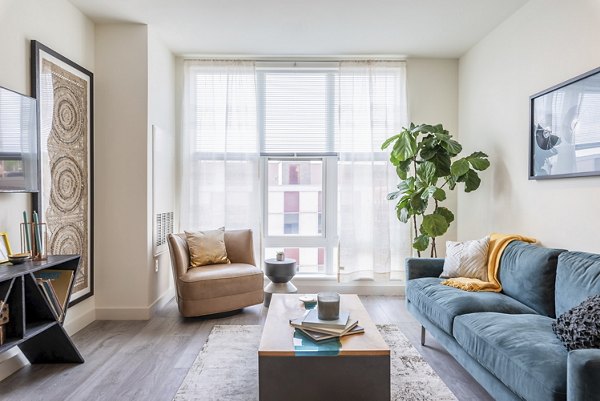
413	28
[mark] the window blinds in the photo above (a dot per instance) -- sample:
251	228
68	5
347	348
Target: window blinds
289	110
296	111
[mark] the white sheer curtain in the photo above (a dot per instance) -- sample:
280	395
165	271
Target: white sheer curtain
219	148
372	107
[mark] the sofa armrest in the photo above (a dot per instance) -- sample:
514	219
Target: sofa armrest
583	375
423	267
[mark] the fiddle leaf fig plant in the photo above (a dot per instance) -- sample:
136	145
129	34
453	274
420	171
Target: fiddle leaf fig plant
426	158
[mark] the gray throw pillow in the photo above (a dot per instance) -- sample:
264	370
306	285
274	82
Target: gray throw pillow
579	327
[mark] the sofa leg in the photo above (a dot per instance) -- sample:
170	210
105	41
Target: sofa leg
422	335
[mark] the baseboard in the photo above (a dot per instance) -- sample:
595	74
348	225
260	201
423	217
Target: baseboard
146	313
72	326
123	313
164	299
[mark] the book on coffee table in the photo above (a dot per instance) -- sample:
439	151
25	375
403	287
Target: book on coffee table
316	336
312	319
299	324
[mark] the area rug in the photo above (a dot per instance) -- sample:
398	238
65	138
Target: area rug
227	368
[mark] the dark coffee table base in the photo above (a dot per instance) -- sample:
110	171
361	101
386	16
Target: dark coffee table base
326	378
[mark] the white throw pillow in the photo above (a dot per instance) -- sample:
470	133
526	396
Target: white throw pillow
467	259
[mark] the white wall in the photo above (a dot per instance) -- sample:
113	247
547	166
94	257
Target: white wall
161	113
121	172
135	89
63	28
544	43
432	89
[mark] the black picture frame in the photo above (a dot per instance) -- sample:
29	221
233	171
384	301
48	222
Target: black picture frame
65	94
564	129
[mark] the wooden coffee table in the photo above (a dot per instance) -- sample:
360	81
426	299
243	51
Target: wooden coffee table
294	368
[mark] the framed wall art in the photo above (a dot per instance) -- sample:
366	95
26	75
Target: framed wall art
64	91
5	250
565	129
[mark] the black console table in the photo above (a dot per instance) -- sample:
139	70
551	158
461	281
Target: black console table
33	326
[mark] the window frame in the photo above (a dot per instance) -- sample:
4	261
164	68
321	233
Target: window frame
328	239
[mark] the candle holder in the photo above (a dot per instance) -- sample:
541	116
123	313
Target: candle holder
328	305
34	238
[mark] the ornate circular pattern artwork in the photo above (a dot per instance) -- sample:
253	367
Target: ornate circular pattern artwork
67	184
69	116
67	240
66	139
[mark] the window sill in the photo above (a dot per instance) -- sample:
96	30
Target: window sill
314	283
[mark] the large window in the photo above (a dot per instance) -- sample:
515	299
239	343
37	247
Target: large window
292	150
296	120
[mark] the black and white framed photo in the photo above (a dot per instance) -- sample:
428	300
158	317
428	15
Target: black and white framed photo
64	91
565	129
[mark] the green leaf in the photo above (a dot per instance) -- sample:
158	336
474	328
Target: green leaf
402	169
421	242
429	192
478	154
438	128
405	147
403	214
446	213
442	136
441	161
393	195
439	194
452	147
389	141
417	204
427	153
472	181
452	182
434	225
459	167
426	172
478	162
421	128
407	185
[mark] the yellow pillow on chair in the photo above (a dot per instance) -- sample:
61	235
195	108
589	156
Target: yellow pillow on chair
207	247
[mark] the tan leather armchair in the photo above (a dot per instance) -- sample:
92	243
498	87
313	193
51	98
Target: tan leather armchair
217	288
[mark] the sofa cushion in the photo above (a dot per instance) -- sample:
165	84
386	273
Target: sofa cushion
520	350
441	303
221	280
527	273
577	278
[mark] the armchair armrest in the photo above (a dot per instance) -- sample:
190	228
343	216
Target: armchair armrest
423	267
583	375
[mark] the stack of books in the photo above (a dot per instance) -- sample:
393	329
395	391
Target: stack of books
55	284
321	330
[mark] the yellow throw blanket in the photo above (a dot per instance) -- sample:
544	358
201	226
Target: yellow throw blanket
498	243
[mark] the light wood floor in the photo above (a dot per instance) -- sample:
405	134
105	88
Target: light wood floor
147	360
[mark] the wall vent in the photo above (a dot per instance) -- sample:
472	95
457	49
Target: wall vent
164	226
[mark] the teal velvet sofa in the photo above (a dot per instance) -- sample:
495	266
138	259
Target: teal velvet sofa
505	340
